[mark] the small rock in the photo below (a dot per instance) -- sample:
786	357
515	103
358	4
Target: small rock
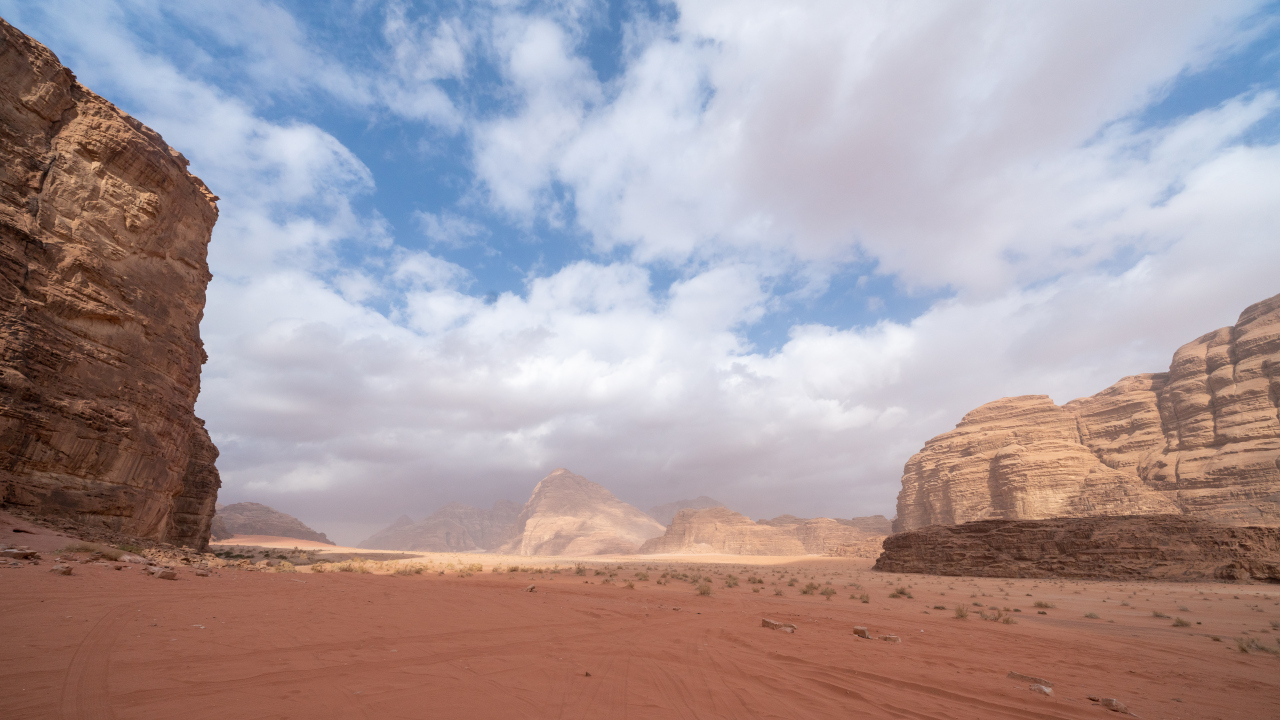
586	674
676	609
60	569
162	573
531	588
202	573
1029	679
1035	688
1114	705
891	638
131	558
862	632
775	625
19	554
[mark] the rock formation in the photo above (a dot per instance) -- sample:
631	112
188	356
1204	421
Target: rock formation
250	518
453	528
103	236
720	530
666	513
570	515
1150	547
723	531
1202	438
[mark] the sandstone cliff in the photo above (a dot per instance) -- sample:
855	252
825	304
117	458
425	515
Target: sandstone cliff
454	527
1153	547
103	235
570	515
666	513
1202	438
721	530
250	518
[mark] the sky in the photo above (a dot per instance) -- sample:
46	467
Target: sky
754	250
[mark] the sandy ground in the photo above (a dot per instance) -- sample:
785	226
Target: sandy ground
448	643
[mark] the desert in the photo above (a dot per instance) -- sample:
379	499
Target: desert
343	346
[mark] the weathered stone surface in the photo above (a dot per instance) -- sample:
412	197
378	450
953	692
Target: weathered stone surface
103	237
570	515
1155	547
250	518
162	573
1202	438
862	632
454	527
775	625
1041	689
1114	705
721	530
1029	679
666	513
60	569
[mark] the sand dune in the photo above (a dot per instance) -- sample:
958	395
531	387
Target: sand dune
107	643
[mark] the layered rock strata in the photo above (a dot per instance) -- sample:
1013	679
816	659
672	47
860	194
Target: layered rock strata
570	515
1150	547
666	513
720	530
103	237
453	528
1202	439
250	518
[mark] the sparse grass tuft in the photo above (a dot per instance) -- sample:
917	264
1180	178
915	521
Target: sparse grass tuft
630	585
1158	614
412	569
1043	604
778	591
1091	615
642	576
962	612
731	581
827	592
704	589
865	598
1179	622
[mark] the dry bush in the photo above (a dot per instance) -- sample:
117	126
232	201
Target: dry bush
704	589
865	598
630	585
1158	614
1250	644
642	576
286	567
900	592
809	588
1179	622
1091	615
1043	604
778	591
409	569
962	612
320	567
731	581
827	592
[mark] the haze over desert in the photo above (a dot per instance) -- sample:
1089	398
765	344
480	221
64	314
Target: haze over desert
664	359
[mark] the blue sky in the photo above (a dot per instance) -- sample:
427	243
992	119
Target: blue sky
754	251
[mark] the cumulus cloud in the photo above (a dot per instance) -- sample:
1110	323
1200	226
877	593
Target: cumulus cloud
995	152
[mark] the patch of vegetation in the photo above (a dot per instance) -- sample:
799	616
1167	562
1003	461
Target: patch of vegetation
827	592
809	588
865	598
1158	614
900	592
1179	622
731	581
630	585
962	612
642	576
1091	615
704	589
1043	604
579	570
778	591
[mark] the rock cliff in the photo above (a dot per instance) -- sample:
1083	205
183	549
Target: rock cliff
250	518
666	513
103	237
1152	547
723	531
1202	439
570	515
453	528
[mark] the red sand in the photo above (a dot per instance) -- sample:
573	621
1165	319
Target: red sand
104	643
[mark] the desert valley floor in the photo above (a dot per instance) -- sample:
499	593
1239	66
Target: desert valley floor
453	642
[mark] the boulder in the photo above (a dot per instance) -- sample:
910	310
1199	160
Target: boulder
775	625
60	569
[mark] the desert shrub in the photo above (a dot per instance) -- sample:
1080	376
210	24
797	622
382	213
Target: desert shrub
1179	622
599	572
778	591
1275	624
630	585
809	588
1043	604
962	612
704	589
939	607
755	580
731	581
409	569
1008	620
1183	608
319	567
791	582
1091	615
1124	603
755	589
978	604
827	592
1158	614
642	576
1246	645
864	597
900	592
579	570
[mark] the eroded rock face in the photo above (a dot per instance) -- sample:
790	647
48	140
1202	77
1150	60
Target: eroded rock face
454	527
666	513
1202	439
570	515
103	236
250	518
722	531
1151	547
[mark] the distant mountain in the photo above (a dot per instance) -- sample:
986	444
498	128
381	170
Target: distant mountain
250	518
720	530
453	528
570	515
666	513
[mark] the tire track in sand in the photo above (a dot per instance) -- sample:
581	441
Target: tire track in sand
84	690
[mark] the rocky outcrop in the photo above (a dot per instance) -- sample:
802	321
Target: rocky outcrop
872	524
250	518
453	528
1202	439
103	236
570	515
722	531
1151	547
666	513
